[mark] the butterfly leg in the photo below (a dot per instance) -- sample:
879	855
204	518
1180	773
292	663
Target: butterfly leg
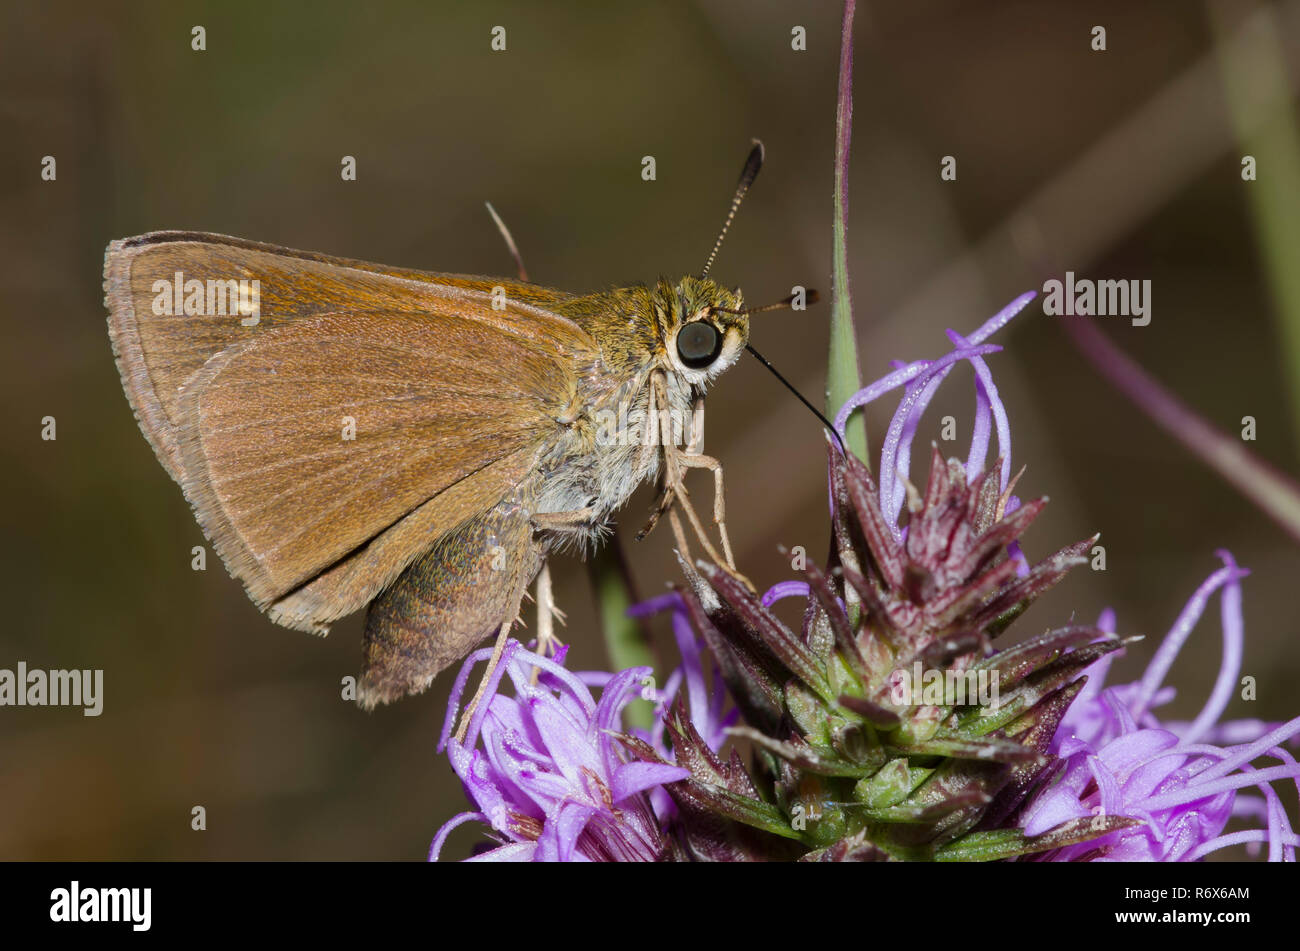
694	458
547	615
559	521
649	442
719	509
497	650
547	612
679	534
662	505
676	461
672	486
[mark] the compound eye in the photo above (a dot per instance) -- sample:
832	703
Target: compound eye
698	344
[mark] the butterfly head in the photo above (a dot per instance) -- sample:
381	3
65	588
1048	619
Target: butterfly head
702	327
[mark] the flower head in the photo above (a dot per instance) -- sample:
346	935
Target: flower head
859	767
1117	758
546	767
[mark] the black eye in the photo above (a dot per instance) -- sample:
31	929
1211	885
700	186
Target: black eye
698	344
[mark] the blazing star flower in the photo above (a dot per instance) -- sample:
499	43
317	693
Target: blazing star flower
847	771
546	768
1110	780
1118	759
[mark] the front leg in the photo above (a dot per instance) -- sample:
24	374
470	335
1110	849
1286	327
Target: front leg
676	461
662	505
667	494
719	508
694	458
560	521
648	442
695	443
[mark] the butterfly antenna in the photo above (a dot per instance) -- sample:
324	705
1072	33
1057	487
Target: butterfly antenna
747	176
809	297
510	242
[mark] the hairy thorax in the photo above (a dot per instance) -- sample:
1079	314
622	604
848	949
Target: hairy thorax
601	456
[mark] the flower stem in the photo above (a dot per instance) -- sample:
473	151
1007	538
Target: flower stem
842	376
625	640
1274	493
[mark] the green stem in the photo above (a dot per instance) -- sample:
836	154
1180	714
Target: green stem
843	378
1260	106
625	640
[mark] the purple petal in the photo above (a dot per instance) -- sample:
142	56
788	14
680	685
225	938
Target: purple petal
457	690
784	589
876	390
559	837
439	840
1244	754
1178	634
569	743
894	459
1002	317
632	778
511	852
672	601
1234	637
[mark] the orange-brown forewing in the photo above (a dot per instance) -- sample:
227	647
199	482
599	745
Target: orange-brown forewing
447	402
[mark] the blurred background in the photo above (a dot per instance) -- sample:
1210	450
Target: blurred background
1117	164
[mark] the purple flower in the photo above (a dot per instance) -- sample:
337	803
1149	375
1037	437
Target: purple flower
546	769
707	696
921	379
847	773
1119	759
